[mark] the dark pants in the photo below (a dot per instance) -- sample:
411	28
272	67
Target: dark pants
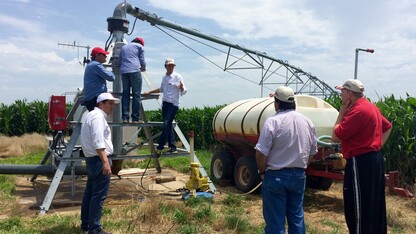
364	194
131	81
90	104
95	193
168	114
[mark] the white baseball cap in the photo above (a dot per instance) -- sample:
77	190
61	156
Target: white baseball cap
285	94
352	85
169	61
107	96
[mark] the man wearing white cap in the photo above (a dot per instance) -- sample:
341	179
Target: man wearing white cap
362	131
97	146
286	142
172	87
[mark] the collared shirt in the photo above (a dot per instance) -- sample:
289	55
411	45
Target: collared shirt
170	88
95	133
131	58
95	80
287	139
361	129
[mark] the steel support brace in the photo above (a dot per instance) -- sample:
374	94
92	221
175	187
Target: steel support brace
60	171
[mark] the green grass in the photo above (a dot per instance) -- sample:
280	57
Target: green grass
33	158
195	215
179	163
7	186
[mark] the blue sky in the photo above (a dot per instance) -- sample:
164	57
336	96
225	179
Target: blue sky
319	37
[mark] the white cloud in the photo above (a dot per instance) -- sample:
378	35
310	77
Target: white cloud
19	24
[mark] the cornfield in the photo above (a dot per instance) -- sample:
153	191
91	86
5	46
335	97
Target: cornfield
400	150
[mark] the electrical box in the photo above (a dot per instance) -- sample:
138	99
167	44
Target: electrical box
57	113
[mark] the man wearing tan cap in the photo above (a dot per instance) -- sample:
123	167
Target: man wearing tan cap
172	87
286	141
362	131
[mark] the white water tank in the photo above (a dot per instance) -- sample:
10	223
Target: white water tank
244	119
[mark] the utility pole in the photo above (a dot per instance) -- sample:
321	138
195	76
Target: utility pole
356	59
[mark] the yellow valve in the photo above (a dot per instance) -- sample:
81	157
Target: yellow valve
196	181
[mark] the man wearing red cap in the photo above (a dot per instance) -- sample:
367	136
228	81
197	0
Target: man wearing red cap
131	62
95	78
362	131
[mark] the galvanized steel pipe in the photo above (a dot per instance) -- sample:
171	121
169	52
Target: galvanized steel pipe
18	169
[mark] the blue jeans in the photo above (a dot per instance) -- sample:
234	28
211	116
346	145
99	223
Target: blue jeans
282	192
95	193
133	81
168	114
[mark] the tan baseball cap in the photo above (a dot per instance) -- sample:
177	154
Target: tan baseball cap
352	85
169	61
285	94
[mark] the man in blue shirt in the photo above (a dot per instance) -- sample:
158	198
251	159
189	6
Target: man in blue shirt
131	62
95	78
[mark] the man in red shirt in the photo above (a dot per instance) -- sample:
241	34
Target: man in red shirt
362	131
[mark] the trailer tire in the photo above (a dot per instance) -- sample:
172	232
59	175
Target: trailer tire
246	176
222	166
315	182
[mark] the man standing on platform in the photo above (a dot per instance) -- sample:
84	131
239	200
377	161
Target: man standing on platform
95	78
132	63
172	88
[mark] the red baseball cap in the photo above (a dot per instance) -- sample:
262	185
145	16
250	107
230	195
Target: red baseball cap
98	50
139	40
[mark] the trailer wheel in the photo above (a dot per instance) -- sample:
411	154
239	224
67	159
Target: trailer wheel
222	166
315	182
246	176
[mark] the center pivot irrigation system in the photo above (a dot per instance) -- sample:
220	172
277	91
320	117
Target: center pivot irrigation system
65	158
272	71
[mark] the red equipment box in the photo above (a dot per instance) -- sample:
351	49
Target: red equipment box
57	113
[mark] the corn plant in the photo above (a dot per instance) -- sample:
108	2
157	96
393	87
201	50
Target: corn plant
4	119
18	118
400	149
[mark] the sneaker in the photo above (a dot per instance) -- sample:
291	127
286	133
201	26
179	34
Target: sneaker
138	121
83	231
172	151
125	121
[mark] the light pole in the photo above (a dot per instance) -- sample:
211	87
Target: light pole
356	59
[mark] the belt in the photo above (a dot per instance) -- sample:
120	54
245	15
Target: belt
289	168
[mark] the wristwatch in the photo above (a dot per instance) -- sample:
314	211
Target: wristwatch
261	173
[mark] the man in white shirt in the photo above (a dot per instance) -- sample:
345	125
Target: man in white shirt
97	146
172	88
286	141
